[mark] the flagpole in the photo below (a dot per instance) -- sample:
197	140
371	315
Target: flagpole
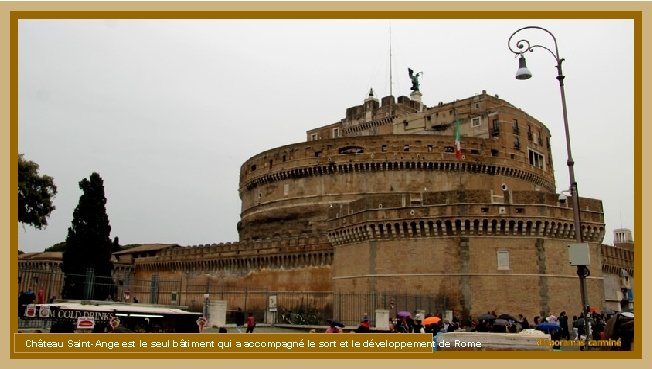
390	71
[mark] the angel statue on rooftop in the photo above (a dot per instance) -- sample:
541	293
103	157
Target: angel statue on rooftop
415	79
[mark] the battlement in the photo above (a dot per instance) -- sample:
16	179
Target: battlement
464	213
242	256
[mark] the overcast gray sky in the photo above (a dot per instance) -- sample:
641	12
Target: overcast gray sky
166	111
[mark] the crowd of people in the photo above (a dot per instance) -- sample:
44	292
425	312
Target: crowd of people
559	327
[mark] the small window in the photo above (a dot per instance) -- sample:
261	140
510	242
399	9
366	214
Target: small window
519	210
494	152
336	132
475	152
313	137
475	122
484	210
429	148
383	148
406	147
477	106
503	259
253	167
317	155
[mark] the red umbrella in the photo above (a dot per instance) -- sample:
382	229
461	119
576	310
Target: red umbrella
431	320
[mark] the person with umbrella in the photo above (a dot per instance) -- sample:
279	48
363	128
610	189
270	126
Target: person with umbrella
552	327
431	324
402	325
334	326
485	322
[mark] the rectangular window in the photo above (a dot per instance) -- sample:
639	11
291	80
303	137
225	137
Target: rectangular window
475	122
515	127
384	148
517	143
429	148
336	132
536	159
495	127
503	259
313	137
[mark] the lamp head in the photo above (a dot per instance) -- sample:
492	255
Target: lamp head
523	72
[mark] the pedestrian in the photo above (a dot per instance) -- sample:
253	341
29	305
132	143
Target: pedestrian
239	319
563	323
332	328
251	323
418	327
364	325
402	326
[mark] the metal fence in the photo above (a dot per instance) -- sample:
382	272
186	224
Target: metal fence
290	307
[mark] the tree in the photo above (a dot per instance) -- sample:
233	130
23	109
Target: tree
88	246
115	247
35	194
57	247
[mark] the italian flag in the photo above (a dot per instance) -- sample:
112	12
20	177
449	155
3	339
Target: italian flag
458	137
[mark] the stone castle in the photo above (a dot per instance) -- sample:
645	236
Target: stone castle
381	202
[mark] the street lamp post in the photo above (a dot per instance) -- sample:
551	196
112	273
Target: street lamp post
523	46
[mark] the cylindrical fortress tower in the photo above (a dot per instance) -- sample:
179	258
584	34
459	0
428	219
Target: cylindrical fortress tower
405	213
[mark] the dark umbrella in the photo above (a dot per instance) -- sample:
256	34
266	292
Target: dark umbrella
506	317
404	313
501	322
121	329
335	323
548	327
486	317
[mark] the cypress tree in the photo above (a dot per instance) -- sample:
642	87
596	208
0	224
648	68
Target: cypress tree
88	246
